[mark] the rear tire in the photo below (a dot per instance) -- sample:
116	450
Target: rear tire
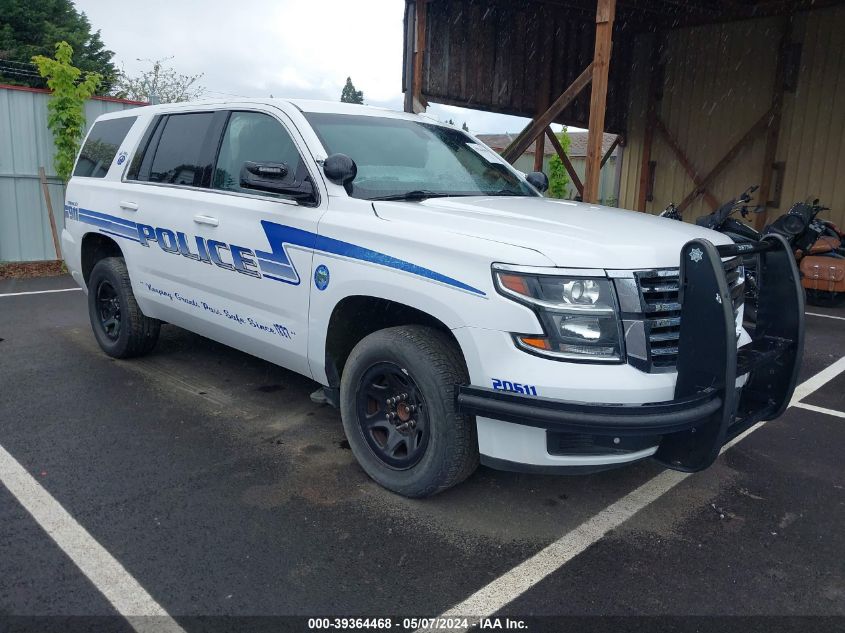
121	329
440	448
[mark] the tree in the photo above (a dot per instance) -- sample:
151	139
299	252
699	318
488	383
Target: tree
66	118
558	176
30	28
161	83
349	94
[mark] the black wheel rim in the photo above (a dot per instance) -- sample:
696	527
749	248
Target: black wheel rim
392	415
108	310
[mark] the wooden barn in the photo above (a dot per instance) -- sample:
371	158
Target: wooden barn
706	97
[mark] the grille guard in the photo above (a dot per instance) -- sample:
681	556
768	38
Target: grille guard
707	409
707	347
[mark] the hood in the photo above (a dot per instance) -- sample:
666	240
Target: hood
571	234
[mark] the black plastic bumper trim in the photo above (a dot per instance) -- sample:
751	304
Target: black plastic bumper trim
601	419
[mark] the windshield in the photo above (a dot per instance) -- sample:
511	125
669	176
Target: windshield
397	158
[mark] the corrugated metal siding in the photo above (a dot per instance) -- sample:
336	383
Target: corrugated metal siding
25	145
718	82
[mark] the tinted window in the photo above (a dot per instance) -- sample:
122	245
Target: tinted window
182	156
256	137
101	147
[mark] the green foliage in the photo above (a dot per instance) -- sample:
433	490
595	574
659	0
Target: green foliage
349	94
160	84
558	176
29	28
66	118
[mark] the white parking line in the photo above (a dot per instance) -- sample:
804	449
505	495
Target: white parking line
125	594
38	292
826	316
825	410
493	597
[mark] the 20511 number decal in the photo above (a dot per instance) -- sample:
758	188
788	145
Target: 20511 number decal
516	387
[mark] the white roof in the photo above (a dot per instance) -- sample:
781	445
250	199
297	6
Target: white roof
304	105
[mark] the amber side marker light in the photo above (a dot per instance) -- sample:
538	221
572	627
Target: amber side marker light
538	343
515	283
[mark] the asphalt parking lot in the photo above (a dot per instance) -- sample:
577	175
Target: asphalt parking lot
200	482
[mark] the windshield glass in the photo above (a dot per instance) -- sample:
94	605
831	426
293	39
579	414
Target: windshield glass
397	157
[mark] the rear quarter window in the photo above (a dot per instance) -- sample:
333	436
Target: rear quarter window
101	147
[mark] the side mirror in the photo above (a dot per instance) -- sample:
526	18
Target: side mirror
538	180
340	169
275	178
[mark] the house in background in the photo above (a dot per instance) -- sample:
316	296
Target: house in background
610	173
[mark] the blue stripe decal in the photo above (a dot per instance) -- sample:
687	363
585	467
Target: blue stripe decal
275	265
134	239
110	218
280	235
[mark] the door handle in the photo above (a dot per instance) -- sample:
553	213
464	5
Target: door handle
206	219
129	206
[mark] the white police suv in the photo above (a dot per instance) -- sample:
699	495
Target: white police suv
450	311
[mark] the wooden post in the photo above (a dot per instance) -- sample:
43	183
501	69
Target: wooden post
418	103
539	153
43	177
655	77
605	13
773	131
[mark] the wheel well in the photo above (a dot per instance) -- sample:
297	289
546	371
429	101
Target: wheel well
94	248
355	317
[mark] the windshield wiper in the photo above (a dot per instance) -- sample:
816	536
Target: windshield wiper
416	194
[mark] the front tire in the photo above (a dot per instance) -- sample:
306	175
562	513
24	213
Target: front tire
399	410
121	329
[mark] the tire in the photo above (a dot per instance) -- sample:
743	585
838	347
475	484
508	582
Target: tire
130	333
426	366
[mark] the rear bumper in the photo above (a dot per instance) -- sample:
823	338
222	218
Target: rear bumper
708	409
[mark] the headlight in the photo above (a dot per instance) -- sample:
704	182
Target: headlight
579	315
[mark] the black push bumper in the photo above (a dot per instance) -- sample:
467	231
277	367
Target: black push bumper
707	410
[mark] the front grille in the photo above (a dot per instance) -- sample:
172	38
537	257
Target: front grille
662	309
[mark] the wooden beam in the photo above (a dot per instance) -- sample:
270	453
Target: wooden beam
686	163
655	77
418	102
408	57
42	176
605	13
758	128
535	128
610	149
773	131
544	82
539	153
565	160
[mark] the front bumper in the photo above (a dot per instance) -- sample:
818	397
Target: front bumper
708	409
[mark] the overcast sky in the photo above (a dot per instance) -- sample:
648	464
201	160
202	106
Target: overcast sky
287	48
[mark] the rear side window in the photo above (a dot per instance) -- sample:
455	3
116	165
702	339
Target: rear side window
101	147
185	150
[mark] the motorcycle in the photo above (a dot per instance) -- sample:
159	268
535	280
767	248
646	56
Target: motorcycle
819	246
